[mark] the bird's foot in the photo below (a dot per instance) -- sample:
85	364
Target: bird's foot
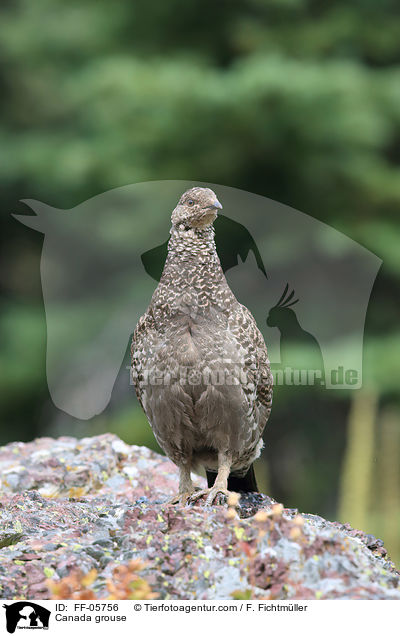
214	495
182	498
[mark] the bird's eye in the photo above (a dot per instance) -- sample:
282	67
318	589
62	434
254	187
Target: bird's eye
190	202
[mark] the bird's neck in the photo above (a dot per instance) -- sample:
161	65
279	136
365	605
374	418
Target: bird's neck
193	245
192	275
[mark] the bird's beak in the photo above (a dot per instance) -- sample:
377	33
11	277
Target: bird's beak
217	205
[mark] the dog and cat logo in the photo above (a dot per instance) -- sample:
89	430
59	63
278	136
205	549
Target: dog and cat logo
26	615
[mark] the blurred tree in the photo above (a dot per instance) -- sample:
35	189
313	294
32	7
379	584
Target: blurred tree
357	475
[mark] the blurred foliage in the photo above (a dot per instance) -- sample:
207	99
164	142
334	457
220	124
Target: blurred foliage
297	100
125	584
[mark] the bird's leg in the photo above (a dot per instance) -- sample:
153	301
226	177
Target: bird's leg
220	487
186	488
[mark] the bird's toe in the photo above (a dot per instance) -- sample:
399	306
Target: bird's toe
212	496
218	496
181	498
195	496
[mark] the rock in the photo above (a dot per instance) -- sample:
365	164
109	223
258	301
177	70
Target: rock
98	503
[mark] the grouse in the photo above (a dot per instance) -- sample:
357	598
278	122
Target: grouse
199	363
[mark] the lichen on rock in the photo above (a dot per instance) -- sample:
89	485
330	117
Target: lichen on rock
97	504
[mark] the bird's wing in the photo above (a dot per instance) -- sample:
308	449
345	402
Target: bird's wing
257	368
141	342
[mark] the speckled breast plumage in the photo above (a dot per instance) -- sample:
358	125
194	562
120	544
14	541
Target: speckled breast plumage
199	363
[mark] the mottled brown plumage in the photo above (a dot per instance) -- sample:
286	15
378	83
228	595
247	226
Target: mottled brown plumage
199	363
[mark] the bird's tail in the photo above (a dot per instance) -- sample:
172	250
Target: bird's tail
247	483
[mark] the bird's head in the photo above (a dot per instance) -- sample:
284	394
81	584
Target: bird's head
197	208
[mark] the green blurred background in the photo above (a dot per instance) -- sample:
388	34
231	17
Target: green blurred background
296	100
